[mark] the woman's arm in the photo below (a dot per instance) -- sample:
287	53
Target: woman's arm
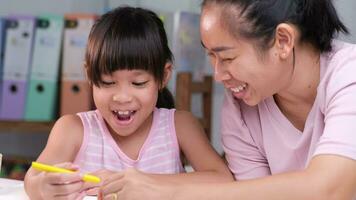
328	177
62	146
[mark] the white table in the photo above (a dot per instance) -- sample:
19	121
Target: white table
14	190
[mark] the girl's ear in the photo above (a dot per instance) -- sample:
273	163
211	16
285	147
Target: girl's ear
167	74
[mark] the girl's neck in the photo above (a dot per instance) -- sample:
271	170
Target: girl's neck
131	145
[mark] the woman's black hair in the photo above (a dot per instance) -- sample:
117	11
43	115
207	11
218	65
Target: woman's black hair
317	20
129	38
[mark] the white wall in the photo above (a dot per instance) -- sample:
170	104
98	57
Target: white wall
346	10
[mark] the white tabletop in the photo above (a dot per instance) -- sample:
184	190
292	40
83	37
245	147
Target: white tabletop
14	190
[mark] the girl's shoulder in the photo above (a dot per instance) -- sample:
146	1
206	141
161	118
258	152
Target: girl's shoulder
183	117
68	128
186	122
64	140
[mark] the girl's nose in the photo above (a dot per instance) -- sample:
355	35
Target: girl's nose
122	97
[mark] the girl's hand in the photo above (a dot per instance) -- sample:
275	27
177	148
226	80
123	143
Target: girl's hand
132	185
60	185
92	189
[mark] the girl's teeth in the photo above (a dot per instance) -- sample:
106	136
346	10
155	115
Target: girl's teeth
124	112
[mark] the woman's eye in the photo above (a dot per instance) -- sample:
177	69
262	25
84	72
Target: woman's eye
139	83
227	60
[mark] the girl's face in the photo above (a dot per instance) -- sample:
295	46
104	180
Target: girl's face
126	100
237	63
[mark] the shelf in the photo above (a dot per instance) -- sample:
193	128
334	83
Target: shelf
25	127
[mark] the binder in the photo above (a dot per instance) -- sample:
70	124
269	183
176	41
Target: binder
75	90
19	36
2	38
42	98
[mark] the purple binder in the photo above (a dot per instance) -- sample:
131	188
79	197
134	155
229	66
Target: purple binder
17	58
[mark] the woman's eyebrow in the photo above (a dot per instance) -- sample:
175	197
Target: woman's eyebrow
218	48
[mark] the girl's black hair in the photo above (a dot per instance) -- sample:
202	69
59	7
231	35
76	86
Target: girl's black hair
317	20
129	38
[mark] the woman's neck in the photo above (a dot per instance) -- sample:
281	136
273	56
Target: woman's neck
305	78
297	99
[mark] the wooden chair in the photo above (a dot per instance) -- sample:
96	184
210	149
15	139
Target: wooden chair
186	87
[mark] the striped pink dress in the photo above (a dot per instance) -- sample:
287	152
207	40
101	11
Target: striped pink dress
159	154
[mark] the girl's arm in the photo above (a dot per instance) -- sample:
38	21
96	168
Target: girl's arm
193	142
62	146
328	177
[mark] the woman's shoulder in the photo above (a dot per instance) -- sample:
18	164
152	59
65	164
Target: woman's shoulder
337	71
342	53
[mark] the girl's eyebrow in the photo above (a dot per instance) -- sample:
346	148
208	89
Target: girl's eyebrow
138	72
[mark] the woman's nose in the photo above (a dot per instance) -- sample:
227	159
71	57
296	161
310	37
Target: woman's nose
220	74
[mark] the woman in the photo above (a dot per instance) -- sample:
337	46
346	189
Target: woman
289	115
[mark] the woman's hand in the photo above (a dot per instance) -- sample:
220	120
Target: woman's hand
58	186
132	185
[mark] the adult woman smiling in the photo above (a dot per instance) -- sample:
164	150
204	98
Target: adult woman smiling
289	115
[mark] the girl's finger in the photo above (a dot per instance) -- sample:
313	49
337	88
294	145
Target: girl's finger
92	191
68	165
113	177
112	187
66	189
62	178
73	196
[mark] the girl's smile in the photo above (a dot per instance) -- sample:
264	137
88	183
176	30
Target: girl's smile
124	118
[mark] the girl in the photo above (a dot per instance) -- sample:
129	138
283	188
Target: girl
289	116
128	64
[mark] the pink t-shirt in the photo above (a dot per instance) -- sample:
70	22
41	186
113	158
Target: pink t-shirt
260	140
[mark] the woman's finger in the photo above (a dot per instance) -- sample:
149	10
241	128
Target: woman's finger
112	196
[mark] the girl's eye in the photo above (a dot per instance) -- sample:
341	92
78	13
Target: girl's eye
139	83
107	83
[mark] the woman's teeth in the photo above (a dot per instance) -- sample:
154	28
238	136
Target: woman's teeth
239	88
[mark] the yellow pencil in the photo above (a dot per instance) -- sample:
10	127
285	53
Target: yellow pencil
49	168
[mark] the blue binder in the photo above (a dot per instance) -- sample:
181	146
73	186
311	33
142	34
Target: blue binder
41	104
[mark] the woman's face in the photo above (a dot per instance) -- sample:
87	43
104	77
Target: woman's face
238	65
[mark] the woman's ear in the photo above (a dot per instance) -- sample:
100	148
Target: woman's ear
167	74
285	37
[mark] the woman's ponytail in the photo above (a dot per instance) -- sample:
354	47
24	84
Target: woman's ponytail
319	23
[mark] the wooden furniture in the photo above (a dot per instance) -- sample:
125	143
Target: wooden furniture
186	87
26	127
